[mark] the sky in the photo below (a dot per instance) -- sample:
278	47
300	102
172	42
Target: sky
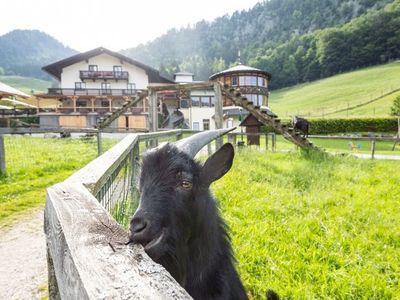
115	24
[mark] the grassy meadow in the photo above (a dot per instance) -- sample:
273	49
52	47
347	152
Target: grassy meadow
323	97
314	227
26	84
306	226
33	164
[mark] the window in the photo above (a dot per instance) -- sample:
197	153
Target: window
205	101
196	126
80	85
93	68
105	103
234	80
105	86
212	101
196	101
248	80
229	123
184	103
206	124
131	86
81	103
261	81
117	71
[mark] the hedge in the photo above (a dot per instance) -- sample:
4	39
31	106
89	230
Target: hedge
350	125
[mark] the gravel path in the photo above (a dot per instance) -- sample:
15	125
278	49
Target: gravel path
23	266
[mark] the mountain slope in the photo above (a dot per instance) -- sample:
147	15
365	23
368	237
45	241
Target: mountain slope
208	47
357	93
25	52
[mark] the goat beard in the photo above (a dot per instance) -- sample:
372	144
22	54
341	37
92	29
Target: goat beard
173	256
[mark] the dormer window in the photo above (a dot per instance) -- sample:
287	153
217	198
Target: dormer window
93	68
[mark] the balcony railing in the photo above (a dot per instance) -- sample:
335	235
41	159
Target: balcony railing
91	92
99	110
116	75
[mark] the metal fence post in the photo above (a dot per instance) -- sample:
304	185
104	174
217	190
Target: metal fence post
2	155
373	149
99	144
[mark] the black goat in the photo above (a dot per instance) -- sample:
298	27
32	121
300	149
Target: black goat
178	222
301	124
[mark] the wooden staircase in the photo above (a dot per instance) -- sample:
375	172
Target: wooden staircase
267	118
109	119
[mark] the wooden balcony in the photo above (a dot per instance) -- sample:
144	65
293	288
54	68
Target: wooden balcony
91	92
99	110
114	75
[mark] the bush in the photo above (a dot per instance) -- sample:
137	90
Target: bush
348	125
351	125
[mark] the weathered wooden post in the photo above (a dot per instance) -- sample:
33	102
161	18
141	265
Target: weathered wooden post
218	117
266	142
2	155
153	115
373	144
273	137
99	144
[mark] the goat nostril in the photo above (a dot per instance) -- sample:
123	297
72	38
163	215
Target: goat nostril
138	225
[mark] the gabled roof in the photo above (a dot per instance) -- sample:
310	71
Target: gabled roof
6	90
240	69
55	69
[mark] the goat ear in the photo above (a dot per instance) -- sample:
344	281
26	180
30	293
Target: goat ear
218	164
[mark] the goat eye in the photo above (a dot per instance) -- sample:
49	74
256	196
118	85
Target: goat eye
187	185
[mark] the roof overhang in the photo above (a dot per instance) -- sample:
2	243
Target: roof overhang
55	69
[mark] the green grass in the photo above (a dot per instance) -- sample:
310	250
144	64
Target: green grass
33	164
330	145
340	91
314	227
26	84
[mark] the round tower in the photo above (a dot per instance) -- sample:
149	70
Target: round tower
252	83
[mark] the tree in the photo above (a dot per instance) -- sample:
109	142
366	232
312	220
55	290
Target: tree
395	111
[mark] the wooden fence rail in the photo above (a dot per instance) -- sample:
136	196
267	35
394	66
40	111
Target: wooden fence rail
86	248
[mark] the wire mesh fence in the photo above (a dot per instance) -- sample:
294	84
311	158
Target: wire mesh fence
119	195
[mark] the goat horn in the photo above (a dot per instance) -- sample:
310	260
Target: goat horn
194	143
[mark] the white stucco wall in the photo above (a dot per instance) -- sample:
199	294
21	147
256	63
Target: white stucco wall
105	62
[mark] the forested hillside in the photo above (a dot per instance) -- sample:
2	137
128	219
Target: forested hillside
25	52
272	36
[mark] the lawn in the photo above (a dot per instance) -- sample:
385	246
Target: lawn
306	226
314	227
339	92
33	164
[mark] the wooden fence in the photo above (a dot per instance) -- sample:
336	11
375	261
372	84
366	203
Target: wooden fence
86	248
